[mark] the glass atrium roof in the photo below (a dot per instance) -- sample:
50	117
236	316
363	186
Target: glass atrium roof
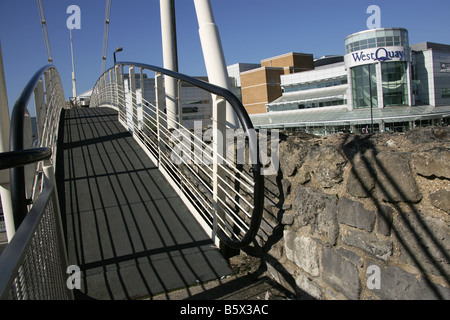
339	116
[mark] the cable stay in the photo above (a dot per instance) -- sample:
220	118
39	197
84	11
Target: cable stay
44	31
106	34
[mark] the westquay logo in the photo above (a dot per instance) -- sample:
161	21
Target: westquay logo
381	54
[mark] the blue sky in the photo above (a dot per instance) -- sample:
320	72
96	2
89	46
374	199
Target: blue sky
251	30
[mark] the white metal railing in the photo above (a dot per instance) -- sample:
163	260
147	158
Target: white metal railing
226	195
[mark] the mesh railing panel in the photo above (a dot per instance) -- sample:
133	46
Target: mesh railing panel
40	273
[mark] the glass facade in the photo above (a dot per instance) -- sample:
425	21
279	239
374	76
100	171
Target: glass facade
376	38
364	83
315	85
395	84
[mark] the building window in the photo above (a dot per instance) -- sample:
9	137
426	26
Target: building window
395	84
364	80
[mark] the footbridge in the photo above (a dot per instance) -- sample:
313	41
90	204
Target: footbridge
123	199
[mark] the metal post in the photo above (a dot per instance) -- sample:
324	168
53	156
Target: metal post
132	89
213	55
179	102
159	109
5	188
74	87
170	56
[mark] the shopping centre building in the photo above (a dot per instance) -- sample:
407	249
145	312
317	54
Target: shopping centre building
381	83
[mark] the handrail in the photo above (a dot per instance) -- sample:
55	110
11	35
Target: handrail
22	158
235	103
34	263
17	173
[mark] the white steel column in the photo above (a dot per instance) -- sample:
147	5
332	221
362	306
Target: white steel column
5	189
170	56
213	55
74	87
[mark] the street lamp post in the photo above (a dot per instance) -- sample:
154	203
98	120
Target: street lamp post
117	50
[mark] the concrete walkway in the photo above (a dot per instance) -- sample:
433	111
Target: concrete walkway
126	228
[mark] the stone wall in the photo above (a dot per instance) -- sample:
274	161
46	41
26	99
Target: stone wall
360	216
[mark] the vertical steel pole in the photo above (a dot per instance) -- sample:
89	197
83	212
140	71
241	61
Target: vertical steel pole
159	109
170	56
213	55
132	79
5	188
74	87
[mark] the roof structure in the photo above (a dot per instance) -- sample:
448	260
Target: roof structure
339	116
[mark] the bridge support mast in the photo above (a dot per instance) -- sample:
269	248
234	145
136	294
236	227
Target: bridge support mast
5	187
170	57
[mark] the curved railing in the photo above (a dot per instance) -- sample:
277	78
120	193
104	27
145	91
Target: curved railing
48	93
33	265
224	191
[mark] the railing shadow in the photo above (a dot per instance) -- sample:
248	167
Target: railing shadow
141	205
405	210
425	249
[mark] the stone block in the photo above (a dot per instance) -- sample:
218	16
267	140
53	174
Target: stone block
286	187
368	242
397	284
433	163
352	256
305	284
354	214
318	210
394	179
385	216
328	166
361	180
287	219
425	241
303	251
441	200
292	156
341	274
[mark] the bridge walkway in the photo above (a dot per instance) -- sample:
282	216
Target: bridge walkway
125	226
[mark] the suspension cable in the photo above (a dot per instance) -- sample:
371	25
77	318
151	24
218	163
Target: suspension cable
106	34
44	31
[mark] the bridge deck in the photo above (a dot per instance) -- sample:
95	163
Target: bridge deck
125	226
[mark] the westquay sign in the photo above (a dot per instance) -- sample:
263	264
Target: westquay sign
372	55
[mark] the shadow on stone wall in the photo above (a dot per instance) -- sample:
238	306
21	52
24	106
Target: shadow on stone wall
341	204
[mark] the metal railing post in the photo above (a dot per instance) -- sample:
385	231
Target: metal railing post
160	106
132	90
118	88
219	139
179	102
